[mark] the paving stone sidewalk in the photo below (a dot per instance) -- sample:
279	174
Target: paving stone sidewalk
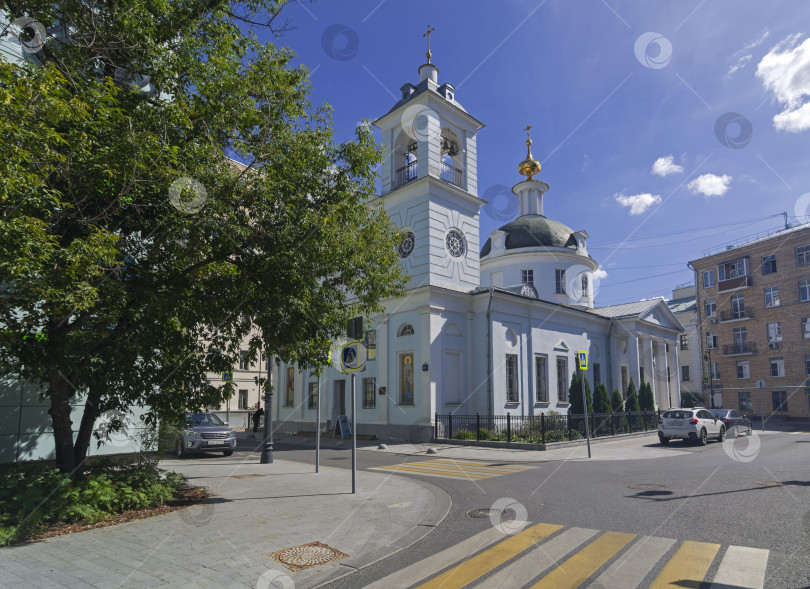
255	509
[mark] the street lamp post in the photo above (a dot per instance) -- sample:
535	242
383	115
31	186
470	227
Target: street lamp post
267	446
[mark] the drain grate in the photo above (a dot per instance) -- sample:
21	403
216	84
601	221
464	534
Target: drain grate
307	556
486	513
646	487
769	483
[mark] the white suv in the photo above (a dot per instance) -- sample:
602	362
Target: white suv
696	425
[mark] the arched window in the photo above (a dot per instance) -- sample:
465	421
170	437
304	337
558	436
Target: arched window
405	329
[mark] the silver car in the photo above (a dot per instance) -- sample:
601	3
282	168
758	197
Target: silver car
205	432
694	425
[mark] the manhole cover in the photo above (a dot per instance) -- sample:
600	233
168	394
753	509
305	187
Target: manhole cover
646	487
306	556
486	513
769	483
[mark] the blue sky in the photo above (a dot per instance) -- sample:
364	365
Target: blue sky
628	104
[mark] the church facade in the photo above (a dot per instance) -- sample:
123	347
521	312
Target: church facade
489	327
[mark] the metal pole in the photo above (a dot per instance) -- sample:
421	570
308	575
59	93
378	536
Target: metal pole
762	408
354	439
585	406
267	448
318	430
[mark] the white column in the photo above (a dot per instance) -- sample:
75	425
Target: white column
633	352
651	366
466	391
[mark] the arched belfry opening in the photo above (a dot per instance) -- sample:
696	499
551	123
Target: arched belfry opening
451	167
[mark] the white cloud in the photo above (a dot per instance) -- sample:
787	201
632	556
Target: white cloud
664	166
741	63
600	273
638	203
785	71
710	184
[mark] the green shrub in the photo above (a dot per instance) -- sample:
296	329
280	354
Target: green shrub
34	496
464	434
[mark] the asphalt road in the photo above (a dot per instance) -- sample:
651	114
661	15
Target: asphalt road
713	494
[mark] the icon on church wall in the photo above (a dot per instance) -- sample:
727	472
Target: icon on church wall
653	50
406	375
340	42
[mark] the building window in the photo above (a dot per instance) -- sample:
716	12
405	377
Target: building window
405	247
265	363
803	255
405	329
369	393
244	361
406	379
312	402
777	367
684	342
562	379
641	374
625	381
527	276
511	378
804	290
289	396
745	402
243	394
584	285
806	328
685	373
711	308
733	269
711	341
597	373
714	370
559	281
772	296
779	401
454	241
774	332
540	379
708	278
743	371
737	306
807	364
668	375
769	264
740	339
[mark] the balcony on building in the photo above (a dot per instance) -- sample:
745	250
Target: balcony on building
736	315
405	174
740	349
733	275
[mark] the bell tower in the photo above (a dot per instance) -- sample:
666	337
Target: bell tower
430	181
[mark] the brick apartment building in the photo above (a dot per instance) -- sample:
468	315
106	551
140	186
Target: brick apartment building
753	302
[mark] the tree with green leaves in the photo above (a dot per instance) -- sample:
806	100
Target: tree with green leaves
575	394
646	399
168	192
616	401
601	399
631	398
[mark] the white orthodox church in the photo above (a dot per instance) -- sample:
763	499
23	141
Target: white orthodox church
490	328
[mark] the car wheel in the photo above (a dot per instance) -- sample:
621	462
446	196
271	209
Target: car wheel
663	439
179	450
228	452
704	438
722	435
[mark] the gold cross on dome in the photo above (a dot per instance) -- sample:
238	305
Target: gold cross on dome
427	34
528	131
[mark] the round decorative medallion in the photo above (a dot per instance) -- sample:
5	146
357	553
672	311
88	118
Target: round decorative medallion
455	243
405	246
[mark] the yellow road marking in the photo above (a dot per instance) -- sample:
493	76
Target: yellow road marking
470	570
687	566
483	464
573	572
433	470
459	467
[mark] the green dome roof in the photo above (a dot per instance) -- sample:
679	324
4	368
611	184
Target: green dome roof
534	231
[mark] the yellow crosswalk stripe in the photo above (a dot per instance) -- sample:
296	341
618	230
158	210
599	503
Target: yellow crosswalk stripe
434	471
444	465
574	571
688	565
498	466
470	570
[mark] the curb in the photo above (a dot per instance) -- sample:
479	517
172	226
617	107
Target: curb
544	447
441	507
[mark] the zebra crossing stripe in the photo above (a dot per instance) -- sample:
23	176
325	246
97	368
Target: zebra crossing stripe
742	568
465	573
576	570
475	468
542	558
631	567
688	564
434	472
504	467
423	569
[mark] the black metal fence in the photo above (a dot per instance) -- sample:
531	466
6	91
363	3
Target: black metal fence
541	429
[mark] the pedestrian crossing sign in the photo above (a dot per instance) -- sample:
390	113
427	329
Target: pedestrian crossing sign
227	377
353	357
582	359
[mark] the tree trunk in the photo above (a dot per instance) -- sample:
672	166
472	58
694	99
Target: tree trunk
85	435
60	392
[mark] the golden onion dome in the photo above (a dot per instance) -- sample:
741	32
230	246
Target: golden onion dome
530	166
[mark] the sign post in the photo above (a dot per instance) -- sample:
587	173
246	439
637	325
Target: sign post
267	443
761	385
353	360
321	359
582	361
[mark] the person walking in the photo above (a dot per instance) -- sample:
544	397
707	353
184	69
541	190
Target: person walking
257	418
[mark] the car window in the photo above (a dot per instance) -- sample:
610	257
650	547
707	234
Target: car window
719	412
205	419
708	415
678	414
734	414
